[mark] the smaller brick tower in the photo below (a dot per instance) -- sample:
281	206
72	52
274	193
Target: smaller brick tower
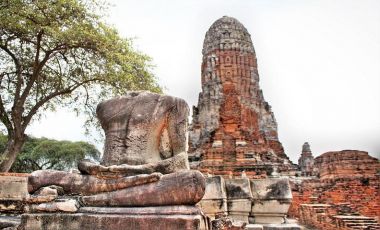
306	161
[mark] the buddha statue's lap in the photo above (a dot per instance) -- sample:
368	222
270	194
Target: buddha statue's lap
144	162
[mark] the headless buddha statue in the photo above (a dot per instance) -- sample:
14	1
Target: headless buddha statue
144	162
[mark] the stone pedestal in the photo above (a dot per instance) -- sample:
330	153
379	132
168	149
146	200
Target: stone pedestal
164	217
13	190
214	201
238	199
271	200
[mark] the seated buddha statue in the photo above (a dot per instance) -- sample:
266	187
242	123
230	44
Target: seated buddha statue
144	162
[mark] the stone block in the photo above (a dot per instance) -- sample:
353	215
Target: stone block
238	199
144	218
271	200
238	188
13	187
215	199
13	191
271	189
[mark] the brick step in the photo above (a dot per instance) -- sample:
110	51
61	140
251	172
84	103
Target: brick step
362	224
364	227
359	221
352	217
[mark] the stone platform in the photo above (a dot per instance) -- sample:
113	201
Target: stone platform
164	217
273	227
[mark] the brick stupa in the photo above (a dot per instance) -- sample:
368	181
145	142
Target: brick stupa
233	131
306	160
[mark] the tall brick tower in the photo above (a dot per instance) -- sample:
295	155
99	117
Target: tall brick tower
233	128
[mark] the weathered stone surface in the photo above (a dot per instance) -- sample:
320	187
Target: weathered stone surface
239	199
37	199
271	189
46	191
13	186
306	161
142	128
254	227
184	187
154	210
88	221
214	201
13	191
225	223
346	164
271	200
233	128
62	205
9	222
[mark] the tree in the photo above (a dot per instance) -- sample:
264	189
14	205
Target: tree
43	153
60	53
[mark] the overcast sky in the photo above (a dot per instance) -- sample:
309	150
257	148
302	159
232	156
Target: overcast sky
318	61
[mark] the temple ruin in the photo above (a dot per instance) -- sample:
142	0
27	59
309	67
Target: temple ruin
233	130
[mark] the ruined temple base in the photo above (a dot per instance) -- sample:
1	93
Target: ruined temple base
136	218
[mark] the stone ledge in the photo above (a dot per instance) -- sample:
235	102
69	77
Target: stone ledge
159	210
273	227
96	220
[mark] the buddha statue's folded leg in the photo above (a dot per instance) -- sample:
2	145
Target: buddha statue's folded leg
73	183
167	166
185	187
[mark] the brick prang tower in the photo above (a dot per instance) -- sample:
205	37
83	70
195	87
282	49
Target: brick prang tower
233	128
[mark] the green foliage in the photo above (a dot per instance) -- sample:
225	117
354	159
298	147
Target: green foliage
61	53
43	153
56	53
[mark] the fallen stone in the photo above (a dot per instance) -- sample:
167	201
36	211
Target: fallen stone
64	205
46	191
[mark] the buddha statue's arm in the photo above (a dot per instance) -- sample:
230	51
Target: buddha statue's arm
170	165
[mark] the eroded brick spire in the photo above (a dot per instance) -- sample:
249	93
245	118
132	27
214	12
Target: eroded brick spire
233	128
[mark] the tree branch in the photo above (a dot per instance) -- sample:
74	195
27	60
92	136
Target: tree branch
44	100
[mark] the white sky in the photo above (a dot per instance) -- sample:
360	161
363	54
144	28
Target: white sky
319	64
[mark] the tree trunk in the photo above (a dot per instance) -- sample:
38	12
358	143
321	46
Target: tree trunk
13	148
